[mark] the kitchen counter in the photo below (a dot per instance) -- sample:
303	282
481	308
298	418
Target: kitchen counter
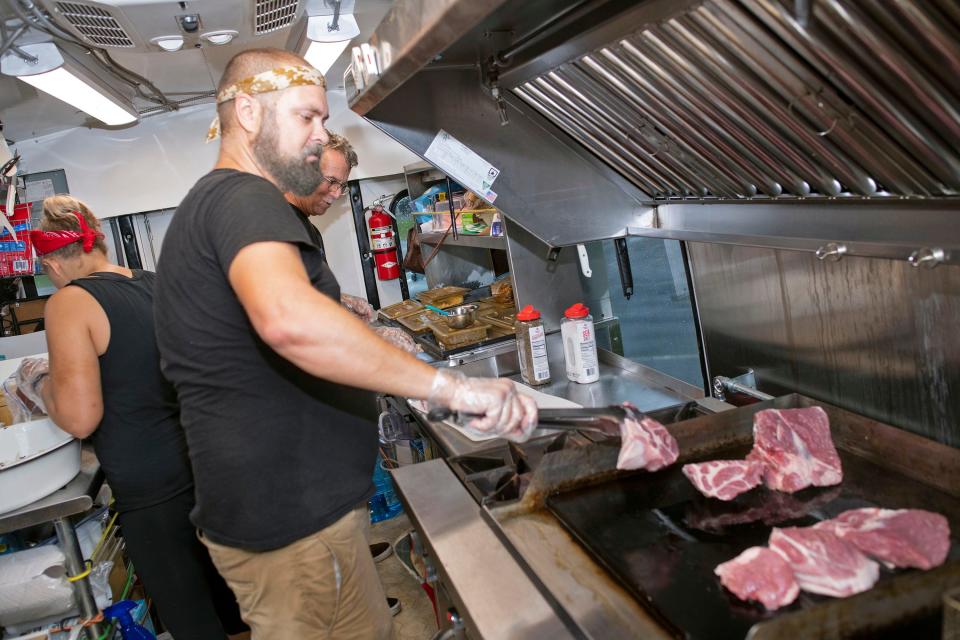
621	380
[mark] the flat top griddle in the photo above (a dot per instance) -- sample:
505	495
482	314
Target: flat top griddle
662	540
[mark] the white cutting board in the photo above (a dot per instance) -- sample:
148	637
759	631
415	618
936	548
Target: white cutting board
543	400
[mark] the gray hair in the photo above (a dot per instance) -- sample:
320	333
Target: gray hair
341	144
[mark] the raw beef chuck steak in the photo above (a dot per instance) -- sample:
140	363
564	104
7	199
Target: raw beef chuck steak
823	563
762	575
795	448
645	443
896	537
724	479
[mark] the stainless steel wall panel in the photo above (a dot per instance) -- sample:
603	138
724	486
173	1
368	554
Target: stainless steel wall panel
560	194
550	286
890	229
873	336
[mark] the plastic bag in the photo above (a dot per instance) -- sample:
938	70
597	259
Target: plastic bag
21	409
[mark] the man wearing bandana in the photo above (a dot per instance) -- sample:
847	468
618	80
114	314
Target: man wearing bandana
104	383
253	337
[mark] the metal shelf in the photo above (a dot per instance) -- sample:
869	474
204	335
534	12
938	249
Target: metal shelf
463	240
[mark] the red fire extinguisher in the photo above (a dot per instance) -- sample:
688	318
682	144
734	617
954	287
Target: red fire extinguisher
383	244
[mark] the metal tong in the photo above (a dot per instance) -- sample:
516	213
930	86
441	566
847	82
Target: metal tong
602	420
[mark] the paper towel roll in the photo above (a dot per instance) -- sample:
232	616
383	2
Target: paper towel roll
33	585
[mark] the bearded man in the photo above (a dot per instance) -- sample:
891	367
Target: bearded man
253	338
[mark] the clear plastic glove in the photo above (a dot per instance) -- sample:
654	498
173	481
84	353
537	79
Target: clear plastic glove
398	338
30	377
502	410
358	307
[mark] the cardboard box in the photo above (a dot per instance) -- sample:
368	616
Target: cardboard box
28	312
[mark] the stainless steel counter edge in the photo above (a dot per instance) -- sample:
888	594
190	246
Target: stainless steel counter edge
490	590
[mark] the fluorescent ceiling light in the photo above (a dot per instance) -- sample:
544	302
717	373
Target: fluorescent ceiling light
326	45
322	55
70	82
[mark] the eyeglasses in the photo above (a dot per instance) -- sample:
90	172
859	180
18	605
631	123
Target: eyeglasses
341	187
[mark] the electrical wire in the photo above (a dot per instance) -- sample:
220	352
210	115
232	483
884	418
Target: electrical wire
30	14
46	25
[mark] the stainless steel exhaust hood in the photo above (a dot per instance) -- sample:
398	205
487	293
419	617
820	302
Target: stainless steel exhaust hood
617	111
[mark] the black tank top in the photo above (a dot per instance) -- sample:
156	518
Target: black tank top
139	442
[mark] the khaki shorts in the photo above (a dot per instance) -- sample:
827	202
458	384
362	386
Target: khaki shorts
321	586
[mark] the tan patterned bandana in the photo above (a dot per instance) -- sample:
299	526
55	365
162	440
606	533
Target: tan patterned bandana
265	82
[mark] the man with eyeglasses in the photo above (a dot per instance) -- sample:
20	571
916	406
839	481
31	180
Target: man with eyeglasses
337	160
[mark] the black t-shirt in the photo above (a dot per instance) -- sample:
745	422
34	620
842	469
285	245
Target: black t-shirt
139	442
315	236
277	454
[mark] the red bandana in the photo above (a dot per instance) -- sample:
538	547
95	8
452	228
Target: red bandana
45	242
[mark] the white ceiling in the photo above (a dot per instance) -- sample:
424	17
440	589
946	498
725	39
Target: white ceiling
25	113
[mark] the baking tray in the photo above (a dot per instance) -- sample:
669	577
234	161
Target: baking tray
662	539
401	309
418	322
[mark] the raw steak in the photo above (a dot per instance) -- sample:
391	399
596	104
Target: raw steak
645	443
823	563
895	537
724	479
762	575
795	448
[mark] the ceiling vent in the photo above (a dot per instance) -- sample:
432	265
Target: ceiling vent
95	24
274	14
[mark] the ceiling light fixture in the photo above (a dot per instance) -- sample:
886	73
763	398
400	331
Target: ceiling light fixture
169	43
326	42
224	36
70	82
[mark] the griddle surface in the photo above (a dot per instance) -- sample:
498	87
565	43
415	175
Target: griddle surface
662	539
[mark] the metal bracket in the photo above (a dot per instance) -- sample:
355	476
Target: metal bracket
928	257
584	261
553	254
832	251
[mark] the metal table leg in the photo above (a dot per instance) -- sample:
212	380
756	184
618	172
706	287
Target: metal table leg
82	591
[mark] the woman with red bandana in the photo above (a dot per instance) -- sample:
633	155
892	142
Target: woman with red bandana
104	383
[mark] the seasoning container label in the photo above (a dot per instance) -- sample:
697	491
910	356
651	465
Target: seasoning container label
581	351
538	348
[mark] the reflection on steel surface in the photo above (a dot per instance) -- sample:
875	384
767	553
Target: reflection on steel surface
873	336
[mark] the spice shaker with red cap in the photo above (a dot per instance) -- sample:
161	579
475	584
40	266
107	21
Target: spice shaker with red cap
532	347
579	344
